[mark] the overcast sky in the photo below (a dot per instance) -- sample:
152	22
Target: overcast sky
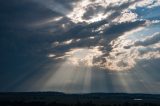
80	46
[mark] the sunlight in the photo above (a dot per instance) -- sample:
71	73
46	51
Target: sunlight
74	73
69	78
83	56
126	52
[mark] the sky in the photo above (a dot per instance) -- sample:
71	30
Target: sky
80	46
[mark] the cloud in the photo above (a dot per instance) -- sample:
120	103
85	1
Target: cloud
103	31
80	36
155	38
42	27
126	16
121	58
118	29
92	11
147	3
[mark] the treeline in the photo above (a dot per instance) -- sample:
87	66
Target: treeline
90	103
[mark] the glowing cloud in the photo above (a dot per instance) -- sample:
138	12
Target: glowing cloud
83	56
95	9
112	21
123	58
126	16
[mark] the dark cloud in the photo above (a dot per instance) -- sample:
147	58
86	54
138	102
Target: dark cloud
14	13
19	44
103	39
18	38
115	30
155	38
118	9
93	10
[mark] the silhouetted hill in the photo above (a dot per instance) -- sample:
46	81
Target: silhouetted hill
93	99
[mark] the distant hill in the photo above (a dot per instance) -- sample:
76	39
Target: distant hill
92	99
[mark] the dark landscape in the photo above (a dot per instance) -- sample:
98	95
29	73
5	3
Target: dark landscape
93	99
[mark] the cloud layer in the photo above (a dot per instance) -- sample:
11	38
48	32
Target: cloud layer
126	53
102	24
49	29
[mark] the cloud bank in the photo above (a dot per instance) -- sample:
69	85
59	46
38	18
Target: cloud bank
103	24
53	28
126	53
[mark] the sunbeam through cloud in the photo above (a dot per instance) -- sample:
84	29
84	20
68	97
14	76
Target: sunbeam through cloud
80	46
